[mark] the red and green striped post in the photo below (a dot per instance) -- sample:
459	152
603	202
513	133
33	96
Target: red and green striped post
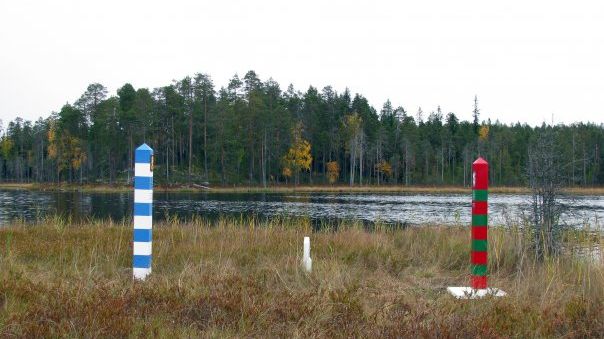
480	187
480	216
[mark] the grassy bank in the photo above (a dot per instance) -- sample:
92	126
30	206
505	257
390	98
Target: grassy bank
287	188
244	279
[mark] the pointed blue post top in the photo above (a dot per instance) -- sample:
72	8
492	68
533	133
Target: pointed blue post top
143	154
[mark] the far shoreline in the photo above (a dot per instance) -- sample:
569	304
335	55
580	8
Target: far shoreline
184	188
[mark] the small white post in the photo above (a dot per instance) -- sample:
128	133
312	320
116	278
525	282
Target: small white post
306	260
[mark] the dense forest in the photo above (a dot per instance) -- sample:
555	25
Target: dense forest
254	132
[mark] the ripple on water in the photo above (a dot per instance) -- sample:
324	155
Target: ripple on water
388	208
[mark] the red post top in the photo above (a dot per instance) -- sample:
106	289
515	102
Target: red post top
480	174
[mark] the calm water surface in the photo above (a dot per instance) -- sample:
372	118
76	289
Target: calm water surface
388	208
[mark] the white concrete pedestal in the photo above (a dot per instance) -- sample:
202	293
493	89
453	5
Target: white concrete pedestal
470	293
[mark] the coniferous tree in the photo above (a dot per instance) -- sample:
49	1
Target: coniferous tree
476	115
242	132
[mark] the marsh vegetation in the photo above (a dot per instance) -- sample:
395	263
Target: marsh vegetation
244	278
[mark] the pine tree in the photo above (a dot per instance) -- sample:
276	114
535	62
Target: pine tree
476	115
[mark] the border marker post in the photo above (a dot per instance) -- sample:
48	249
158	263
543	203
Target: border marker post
479	254
143	212
480	193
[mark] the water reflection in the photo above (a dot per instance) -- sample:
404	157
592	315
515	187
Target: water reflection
319	207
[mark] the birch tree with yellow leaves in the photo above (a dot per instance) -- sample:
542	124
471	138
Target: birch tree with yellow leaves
298	156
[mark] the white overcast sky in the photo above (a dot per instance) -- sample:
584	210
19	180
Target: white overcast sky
526	60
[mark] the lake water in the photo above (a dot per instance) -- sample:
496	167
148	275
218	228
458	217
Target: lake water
411	209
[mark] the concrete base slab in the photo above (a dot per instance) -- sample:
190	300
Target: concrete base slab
470	293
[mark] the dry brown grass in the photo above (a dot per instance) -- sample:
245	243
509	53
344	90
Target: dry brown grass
243	279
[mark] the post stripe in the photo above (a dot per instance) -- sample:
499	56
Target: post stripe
480	207
479	245
143	221
142	248
480	270
143	169
480	195
479	258
140	273
479	282
479	220
142	261
143	209
143	156
143	183
143	196
142	235
479	232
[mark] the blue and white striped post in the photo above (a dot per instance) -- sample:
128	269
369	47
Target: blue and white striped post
143	209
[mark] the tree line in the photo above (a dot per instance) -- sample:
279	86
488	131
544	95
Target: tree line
256	133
